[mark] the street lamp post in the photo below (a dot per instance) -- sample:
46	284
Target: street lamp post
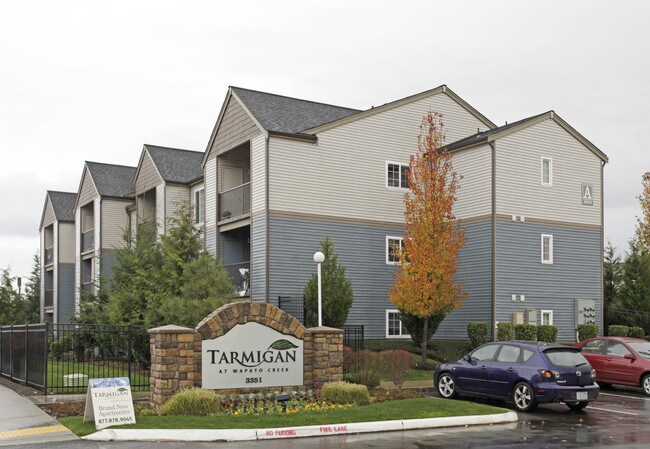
319	258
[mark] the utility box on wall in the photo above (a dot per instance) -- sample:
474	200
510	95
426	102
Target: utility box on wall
531	316
517	318
585	311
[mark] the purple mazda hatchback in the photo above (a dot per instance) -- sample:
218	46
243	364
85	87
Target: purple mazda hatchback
527	373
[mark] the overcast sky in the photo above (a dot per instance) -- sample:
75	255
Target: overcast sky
90	80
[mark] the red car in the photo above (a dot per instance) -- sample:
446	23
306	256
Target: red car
618	360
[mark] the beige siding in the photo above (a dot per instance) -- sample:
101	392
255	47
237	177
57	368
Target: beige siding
474	196
237	158
175	197
87	192
66	242
519	190
258	174
344	174
148	176
48	214
210	181
77	258
236	127
160	209
115	221
55	280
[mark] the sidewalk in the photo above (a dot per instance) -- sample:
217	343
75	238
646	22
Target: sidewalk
22	422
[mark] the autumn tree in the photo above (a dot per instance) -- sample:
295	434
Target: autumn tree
643	222
425	283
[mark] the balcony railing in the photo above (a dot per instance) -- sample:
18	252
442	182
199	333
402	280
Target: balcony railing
235	202
88	287
241	282
49	255
49	298
88	240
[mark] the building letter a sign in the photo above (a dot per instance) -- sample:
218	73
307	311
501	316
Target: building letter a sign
587	194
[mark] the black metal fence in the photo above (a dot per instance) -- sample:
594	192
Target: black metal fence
353	336
60	358
627	317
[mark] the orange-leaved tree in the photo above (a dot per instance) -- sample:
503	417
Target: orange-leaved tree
425	282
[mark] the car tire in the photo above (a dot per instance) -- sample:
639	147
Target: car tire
645	384
577	406
447	386
523	397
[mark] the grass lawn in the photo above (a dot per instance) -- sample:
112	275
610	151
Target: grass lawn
382	411
57	369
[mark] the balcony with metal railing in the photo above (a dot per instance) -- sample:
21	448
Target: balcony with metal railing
49	255
49	298
88	240
88	287
235	202
240	275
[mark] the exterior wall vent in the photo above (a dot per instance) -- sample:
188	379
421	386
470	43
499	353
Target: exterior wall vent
517	318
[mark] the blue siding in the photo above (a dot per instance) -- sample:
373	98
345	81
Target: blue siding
107	260
362	250
65	293
258	258
576	272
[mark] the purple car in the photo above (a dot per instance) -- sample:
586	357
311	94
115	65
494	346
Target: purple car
527	373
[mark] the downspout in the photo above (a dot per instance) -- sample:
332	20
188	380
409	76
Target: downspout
602	250
267	220
494	240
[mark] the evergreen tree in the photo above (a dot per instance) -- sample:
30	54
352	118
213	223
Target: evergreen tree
613	276
9	298
337	293
634	294
33	292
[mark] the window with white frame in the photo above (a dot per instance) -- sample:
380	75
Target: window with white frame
546	317
547	248
199	206
394	326
396	175
393	247
547	171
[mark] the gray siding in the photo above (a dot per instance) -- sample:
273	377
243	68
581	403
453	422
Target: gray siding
65	293
258	258
576	272
107	260
211	206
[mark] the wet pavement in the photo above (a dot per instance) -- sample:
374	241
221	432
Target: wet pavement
620	418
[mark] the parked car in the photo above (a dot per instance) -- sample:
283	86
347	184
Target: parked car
527	373
617	360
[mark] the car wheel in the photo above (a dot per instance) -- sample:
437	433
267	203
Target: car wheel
575	406
645	384
447	386
523	397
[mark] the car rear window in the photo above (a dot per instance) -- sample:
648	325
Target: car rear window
565	357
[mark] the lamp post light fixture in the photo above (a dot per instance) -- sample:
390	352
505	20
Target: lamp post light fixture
319	258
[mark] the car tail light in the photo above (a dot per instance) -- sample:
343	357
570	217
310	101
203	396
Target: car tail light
547	374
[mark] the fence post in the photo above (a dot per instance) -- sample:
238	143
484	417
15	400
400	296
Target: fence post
46	354
11	352
26	353
129	351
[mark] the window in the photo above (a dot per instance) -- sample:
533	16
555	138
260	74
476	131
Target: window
394	326
393	246
547	171
199	206
396	175
547	248
509	354
595	347
616	349
485	353
546	317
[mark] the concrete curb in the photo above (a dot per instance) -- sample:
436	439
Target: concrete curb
223	435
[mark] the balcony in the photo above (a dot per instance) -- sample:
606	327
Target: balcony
49	255
88	287
235	202
49	298
241	282
88	241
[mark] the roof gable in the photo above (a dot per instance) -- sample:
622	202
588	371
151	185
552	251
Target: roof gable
175	165
111	180
502	131
62	204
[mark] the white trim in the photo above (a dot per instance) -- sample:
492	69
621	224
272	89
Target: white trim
197	202
388	239
550	316
549	260
550	172
403	333
389	187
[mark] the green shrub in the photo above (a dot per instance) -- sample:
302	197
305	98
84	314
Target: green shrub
546	332
365	368
477	331
192	402
526	332
345	393
397	363
414	325
505	331
636	332
587	331
617	330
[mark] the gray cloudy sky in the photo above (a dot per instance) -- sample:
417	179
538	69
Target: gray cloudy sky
90	80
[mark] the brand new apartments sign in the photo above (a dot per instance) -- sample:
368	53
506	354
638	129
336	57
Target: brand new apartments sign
252	355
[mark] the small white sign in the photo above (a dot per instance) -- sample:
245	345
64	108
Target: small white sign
252	355
587	194
109	402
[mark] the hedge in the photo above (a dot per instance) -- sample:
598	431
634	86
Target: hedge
505	331
477	331
587	331
526	332
617	330
546	332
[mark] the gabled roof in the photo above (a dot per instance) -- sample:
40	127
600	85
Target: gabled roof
175	165
502	131
63	204
111	180
286	115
